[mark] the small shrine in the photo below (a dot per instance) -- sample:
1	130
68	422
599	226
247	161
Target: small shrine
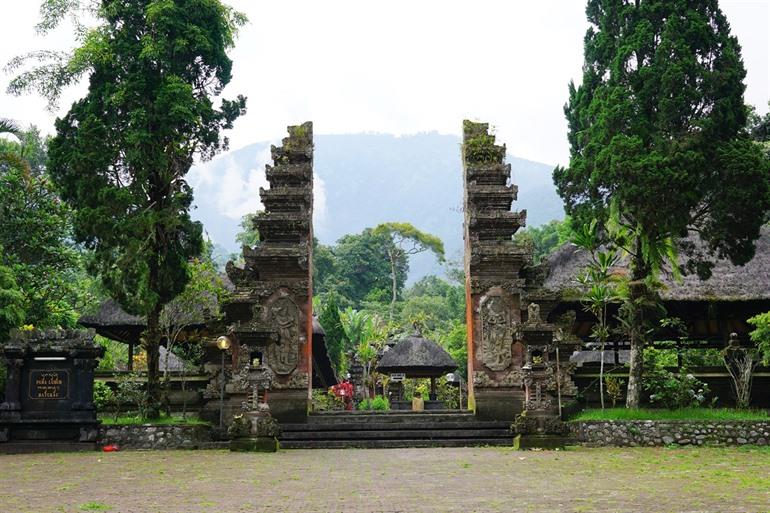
415	357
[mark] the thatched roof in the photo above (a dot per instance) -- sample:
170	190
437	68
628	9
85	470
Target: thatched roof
727	283
417	357
111	314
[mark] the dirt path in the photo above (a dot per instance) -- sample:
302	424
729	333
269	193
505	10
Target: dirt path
393	480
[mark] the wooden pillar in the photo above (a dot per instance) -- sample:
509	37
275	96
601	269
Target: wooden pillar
130	363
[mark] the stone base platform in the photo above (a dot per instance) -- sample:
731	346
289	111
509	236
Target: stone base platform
437	428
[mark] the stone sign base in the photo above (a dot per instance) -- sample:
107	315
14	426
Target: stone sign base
498	403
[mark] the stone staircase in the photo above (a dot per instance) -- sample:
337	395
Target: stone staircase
437	428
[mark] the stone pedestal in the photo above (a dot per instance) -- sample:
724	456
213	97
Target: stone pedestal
254	431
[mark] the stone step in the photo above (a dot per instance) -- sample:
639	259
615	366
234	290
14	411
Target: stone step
40	446
393	444
394	418
409	434
352	425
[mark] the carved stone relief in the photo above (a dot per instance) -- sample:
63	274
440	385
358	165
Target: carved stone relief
496	332
283	354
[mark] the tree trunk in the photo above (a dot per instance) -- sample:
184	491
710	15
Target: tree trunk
394	283
638	291
152	347
601	377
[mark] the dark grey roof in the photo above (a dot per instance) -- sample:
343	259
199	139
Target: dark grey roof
417	356
111	314
727	283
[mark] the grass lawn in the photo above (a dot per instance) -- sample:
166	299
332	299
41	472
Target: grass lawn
663	414
135	420
659	479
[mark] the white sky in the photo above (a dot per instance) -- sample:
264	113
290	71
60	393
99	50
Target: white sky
401	66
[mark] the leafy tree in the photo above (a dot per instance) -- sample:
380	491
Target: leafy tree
599	290
199	301
547	238
11	301
356	265
36	235
405	240
761	334
659	147
759	128
337	343
121	154
249	234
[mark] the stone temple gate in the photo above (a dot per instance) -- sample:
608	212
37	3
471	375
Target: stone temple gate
514	362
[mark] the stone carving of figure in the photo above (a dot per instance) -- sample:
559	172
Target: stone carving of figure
533	313
283	355
496	333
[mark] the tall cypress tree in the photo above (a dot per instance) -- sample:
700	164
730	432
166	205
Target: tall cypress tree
121	154
658	144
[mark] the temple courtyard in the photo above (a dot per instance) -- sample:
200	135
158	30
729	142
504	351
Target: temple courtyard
391	480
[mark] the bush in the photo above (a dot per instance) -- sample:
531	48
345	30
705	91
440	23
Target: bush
325	400
103	395
379	403
674	391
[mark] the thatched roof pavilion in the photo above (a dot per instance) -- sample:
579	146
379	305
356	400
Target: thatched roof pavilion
711	309
416	357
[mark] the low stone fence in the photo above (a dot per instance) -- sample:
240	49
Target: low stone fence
156	437
625	433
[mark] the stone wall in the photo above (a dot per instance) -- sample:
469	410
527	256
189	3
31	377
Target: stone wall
631	433
156	437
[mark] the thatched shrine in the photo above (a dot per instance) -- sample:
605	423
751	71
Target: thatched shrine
417	357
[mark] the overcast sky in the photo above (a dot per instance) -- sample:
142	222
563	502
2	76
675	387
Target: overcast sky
402	66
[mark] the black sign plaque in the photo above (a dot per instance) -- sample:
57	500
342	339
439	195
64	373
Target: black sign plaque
48	384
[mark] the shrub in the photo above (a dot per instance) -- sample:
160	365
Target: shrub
325	400
379	403
103	395
614	388
673	391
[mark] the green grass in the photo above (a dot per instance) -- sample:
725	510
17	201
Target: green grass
662	414
135	420
94	506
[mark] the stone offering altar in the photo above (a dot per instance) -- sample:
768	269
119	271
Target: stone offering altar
49	389
255	430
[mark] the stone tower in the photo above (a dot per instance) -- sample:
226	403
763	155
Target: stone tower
511	350
270	312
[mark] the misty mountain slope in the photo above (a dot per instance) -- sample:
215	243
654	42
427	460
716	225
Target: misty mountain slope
363	180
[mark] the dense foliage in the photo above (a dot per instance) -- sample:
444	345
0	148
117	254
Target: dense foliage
42	277
358	324
659	147
121	154
547	238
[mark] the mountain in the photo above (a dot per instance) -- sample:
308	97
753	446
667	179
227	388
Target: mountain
365	179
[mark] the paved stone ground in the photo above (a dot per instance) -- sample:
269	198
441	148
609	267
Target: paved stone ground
393	480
